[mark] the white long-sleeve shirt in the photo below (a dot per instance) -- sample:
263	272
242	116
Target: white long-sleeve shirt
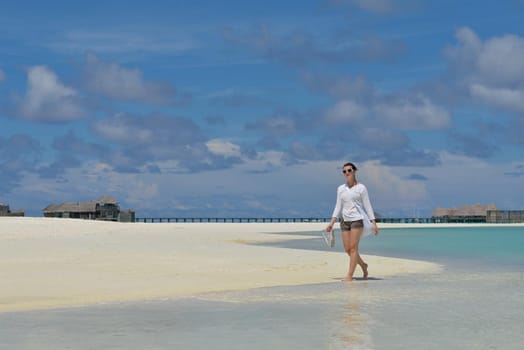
350	202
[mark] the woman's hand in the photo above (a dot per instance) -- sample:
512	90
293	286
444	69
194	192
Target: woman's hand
375	227
329	228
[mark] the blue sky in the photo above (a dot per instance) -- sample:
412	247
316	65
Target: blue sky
249	108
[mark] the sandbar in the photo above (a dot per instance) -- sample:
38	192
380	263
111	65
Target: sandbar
52	263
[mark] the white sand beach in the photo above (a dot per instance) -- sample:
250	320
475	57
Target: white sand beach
50	263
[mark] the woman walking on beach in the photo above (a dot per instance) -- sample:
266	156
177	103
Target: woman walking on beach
352	207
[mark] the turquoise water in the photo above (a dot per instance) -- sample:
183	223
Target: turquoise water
477	302
497	247
465	247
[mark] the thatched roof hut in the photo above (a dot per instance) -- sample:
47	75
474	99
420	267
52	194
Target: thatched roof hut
104	208
78	207
6	211
107	200
477	213
465	210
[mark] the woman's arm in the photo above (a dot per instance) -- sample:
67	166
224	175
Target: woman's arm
367	204
369	209
336	212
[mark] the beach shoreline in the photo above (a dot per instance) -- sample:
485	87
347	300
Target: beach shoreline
54	263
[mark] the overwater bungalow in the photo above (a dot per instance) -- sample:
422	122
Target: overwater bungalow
466	213
6	211
104	208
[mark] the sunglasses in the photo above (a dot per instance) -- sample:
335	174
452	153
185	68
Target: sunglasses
349	171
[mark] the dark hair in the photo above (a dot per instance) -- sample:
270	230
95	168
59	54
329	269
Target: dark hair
350	164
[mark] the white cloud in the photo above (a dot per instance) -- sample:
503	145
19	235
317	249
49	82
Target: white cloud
503	97
223	148
389	190
468	48
310	186
491	71
384	139
501	60
113	81
382	7
393	193
408	111
141	192
258	205
344	112
83	183
120	129
279	125
412	113
48	99
341	87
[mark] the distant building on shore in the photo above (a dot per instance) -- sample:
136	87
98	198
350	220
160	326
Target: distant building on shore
5	211
104	208
505	216
466	213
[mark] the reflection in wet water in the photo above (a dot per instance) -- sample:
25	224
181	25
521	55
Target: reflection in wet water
394	313
354	322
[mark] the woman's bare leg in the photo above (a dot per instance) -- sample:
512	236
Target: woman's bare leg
364	267
351	240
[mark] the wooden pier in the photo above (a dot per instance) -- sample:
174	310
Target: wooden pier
265	220
238	220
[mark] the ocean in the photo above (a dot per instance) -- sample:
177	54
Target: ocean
476	302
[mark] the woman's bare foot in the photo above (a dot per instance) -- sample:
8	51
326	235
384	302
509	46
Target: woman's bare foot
365	271
347	279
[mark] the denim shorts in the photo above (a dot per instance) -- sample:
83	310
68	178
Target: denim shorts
348	225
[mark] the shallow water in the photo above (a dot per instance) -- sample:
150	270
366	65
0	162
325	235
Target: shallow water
477	303
498	248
